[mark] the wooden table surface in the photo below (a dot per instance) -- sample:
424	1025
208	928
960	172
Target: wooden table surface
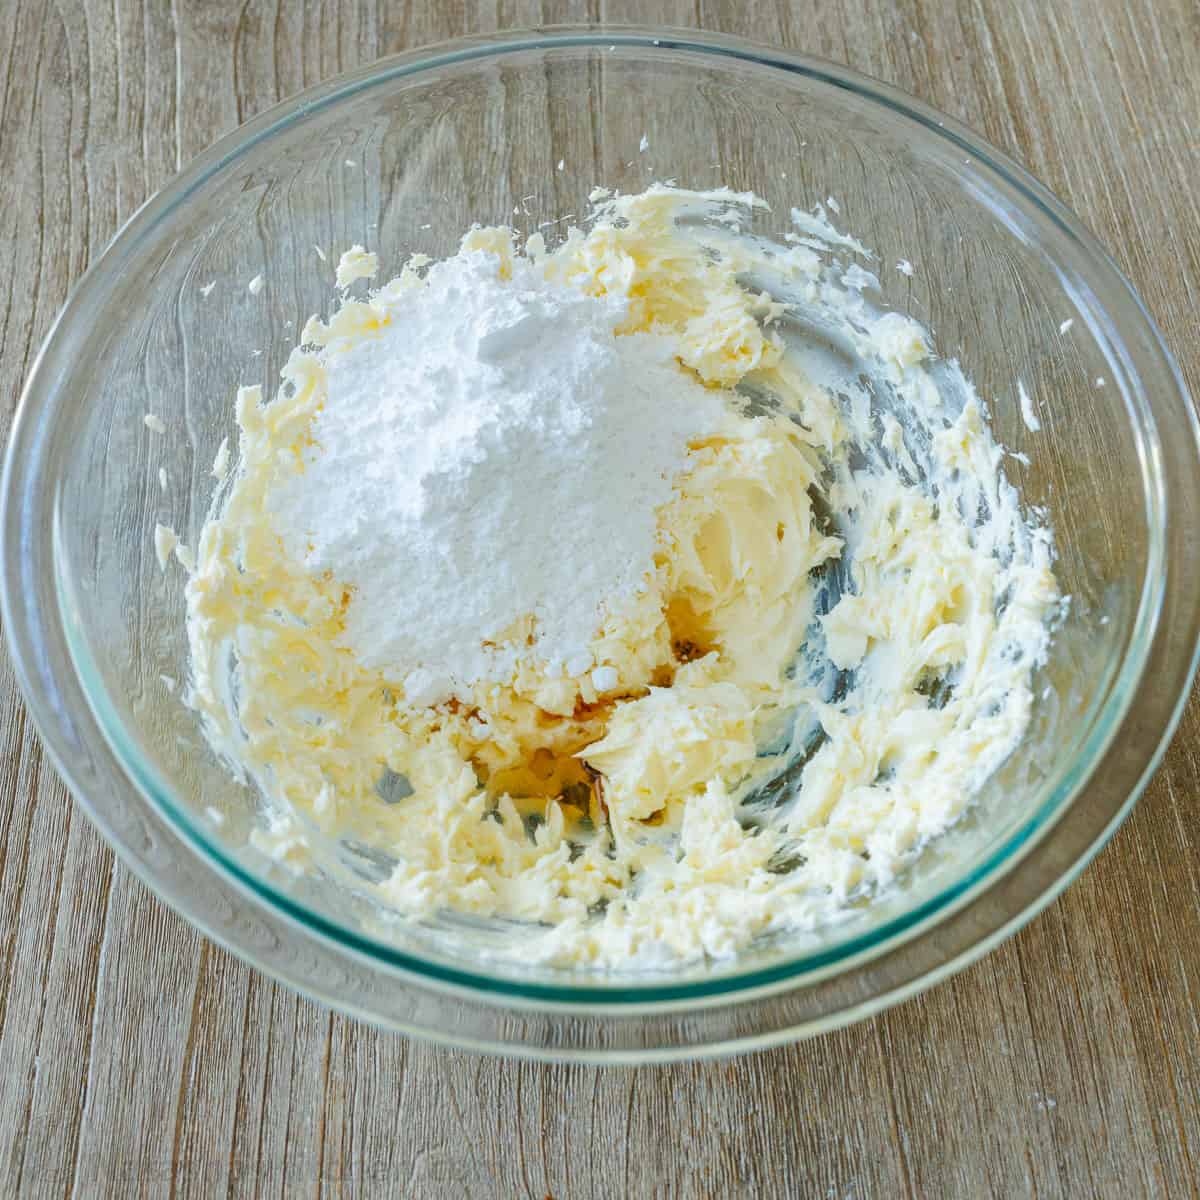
137	1057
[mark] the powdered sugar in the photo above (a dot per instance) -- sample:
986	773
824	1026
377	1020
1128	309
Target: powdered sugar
494	453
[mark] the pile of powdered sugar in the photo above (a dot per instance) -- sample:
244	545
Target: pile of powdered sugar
495	451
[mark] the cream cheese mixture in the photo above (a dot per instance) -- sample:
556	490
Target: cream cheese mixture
656	590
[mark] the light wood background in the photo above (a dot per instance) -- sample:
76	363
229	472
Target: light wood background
137	1058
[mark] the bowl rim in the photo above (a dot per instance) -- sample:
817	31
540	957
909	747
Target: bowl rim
629	996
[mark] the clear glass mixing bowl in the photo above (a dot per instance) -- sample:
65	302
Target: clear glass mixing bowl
404	156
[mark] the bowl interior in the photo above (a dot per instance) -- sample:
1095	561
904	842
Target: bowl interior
407	161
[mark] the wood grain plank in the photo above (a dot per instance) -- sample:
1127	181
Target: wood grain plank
139	1059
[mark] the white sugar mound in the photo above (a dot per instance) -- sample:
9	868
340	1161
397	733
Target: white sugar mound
495	452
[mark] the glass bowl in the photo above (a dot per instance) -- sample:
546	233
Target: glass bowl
407	154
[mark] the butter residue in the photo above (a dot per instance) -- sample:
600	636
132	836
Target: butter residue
1028	413
817	588
165	542
355	263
